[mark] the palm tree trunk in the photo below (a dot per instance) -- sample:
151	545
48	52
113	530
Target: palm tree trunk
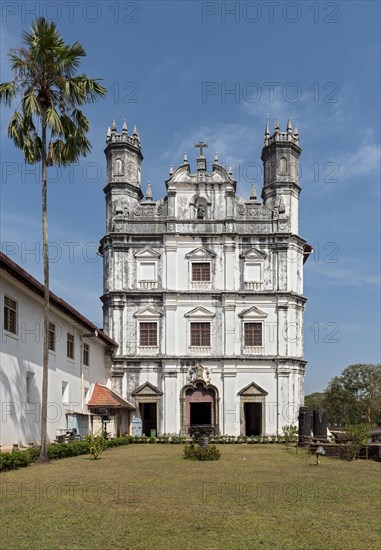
45	359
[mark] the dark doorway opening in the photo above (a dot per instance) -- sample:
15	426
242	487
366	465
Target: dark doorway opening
253	418
148	416
200	413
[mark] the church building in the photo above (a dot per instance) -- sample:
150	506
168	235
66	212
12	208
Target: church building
203	291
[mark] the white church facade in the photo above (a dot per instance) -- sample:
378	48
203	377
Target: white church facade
203	291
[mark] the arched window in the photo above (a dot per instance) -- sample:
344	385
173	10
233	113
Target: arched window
283	166
118	167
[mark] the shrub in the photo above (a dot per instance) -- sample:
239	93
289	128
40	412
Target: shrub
358	437
95	444
192	452
177	439
14	460
290	433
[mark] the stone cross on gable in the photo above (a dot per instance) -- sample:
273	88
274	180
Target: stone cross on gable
202	146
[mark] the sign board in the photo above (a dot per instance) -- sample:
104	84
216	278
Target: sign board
136	426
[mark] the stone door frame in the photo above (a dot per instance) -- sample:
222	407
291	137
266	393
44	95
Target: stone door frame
252	394
183	403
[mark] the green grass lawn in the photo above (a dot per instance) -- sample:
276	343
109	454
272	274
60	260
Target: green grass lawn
147	496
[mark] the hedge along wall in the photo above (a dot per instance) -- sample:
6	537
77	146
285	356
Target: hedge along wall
20	459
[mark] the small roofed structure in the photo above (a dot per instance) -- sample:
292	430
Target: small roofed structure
105	402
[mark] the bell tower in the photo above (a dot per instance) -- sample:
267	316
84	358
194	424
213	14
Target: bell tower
280	156
123	193
123	187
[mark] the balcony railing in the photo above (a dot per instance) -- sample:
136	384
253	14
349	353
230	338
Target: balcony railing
199	350
146	285
148	350
253	350
201	285
253	285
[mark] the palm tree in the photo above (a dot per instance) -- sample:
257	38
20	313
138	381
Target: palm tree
49	128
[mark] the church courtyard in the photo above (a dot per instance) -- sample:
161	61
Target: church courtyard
147	496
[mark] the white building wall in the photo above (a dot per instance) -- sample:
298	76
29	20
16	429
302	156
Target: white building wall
22	354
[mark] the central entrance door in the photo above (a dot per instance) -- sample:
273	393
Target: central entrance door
253	418
200	413
148	415
200	407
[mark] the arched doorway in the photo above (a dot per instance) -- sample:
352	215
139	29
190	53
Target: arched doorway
199	407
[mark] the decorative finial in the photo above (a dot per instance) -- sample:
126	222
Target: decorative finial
109	132
136	133
230	170
289	126
113	126
216	158
124	129
171	170
276	124
185	158
267	131
253	193
296	132
149	192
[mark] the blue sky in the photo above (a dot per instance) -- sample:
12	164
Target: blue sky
184	71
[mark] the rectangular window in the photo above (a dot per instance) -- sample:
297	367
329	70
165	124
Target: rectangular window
86	354
10	315
70	346
200	271
253	334
148	334
52	337
200	334
147	271
253	272
29	386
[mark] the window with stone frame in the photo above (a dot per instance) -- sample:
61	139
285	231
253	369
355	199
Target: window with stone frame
200	334
86	354
147	271
200	271
52	337
253	334
148	334
253	272
10	315
70	346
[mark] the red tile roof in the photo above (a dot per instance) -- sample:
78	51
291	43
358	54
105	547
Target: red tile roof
103	397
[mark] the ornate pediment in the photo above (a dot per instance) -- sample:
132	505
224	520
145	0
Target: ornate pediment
200	253
200	312
253	313
147	252
147	312
252	389
253	254
147	389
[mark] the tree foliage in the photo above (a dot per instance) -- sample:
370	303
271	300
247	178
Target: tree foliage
314	400
50	93
355	396
49	128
